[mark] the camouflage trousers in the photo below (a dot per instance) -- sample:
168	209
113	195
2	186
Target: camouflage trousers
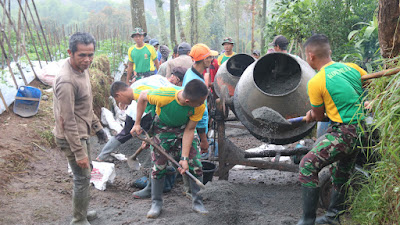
170	138
339	148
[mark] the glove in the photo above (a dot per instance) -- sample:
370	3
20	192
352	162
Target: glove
102	136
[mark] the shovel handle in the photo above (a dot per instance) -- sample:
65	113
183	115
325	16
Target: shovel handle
296	120
138	151
162	151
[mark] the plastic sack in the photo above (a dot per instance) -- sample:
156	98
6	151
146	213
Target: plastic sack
107	118
101	173
48	73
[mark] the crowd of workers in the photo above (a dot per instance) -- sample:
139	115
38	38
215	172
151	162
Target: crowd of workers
166	98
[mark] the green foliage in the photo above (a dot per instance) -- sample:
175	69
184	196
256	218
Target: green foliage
366	45
299	19
378	200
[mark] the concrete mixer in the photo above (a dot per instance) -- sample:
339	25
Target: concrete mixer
229	74
272	87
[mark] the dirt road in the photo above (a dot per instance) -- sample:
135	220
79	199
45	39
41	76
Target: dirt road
35	187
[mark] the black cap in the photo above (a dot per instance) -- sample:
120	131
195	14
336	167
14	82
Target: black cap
179	72
280	41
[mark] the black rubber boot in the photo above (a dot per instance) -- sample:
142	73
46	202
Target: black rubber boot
197	200
157	186
310	204
335	208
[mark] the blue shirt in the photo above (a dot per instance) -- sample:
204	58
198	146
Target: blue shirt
192	74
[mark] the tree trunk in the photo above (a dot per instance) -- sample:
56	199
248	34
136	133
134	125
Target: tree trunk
172	22
388	28
253	14
263	21
138	14
178	18
193	22
161	21
237	25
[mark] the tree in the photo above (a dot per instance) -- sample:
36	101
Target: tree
263	20
253	12
179	21
172	22
161	21
388	28
193	22
138	14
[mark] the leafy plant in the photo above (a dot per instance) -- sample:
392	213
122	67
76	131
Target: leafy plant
366	45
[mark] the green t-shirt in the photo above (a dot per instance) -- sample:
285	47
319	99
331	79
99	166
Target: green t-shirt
170	112
222	58
338	87
142	58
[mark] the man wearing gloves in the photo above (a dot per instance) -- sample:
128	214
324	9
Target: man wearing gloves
74	120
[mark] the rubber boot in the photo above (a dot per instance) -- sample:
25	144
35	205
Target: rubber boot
144	193
157	186
310	204
112	144
80	206
335	208
197	200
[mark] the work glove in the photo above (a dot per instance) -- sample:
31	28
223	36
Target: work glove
102	136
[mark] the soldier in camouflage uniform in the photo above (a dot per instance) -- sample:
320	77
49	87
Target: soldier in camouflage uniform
178	111
335	90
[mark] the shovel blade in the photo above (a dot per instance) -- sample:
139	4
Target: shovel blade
133	164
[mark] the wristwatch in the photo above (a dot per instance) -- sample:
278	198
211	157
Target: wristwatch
185	158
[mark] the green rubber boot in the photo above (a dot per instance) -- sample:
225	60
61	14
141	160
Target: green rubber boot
310	204
80	206
197	200
157	186
335	208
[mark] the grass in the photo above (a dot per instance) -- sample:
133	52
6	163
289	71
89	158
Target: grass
378	199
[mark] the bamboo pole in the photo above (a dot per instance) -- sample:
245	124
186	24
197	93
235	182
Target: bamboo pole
23	44
36	30
41	28
30	32
4	53
4	102
1	38
13	54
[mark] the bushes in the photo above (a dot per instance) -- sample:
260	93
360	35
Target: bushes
378	201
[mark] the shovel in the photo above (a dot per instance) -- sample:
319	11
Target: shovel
162	151
132	162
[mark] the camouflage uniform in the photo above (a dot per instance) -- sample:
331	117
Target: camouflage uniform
339	147
170	138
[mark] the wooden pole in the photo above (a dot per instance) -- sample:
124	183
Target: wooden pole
23	44
13	54
36	30
8	63
30	32
41	27
4	101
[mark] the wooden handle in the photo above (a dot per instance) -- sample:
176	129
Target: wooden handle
163	152
138	151
25	98
382	73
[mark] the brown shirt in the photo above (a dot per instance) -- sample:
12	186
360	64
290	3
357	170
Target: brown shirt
73	109
184	61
